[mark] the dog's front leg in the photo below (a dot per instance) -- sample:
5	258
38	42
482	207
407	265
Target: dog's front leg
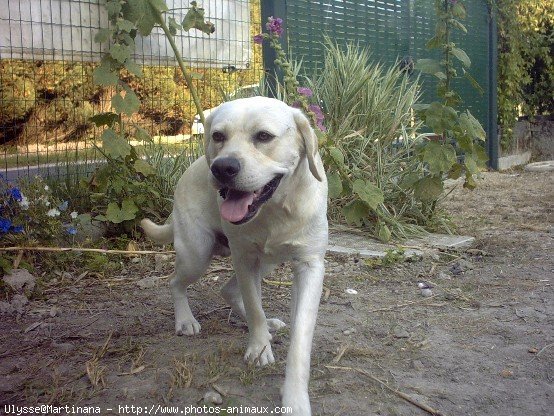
308	283
248	274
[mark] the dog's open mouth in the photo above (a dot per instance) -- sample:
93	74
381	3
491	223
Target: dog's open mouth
239	207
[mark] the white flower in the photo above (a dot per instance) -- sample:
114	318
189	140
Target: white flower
47	203
46	187
24	203
53	212
74	214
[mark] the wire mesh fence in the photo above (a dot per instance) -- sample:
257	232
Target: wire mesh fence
47	94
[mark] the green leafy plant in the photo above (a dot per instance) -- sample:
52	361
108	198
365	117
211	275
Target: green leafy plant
123	187
525	62
457	132
371	144
367	137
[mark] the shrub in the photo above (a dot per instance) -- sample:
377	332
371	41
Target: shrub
369	151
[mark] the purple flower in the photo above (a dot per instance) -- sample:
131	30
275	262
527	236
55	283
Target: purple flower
5	225
305	91
319	116
296	104
71	230
15	193
275	26
259	39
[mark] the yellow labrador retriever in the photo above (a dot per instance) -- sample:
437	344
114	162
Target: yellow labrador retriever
261	192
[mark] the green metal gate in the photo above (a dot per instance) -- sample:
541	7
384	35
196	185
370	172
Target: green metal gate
393	30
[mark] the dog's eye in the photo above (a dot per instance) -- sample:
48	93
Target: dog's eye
264	136
217	136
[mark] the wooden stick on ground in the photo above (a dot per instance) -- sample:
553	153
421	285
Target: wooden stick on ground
83	250
404	396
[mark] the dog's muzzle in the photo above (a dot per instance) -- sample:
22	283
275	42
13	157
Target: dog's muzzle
225	169
239	206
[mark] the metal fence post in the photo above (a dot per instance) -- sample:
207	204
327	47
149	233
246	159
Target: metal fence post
492	128
273	8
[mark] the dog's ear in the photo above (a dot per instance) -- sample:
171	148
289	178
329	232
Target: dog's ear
310	143
207	129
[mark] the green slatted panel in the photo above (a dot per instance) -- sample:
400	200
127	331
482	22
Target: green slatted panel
392	29
374	23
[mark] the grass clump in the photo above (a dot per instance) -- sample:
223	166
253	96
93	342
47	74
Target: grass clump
370	147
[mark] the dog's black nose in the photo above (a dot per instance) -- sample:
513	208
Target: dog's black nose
225	169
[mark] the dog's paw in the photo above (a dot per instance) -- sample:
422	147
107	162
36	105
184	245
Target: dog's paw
259	354
275	324
297	401
187	327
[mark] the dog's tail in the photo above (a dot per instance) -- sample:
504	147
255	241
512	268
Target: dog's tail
161	234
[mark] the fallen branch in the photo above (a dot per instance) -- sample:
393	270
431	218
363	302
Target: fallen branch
404	396
83	250
401	305
276	283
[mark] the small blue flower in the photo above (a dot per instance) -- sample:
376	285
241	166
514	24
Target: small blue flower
63	206
15	193
17	229
5	225
71	231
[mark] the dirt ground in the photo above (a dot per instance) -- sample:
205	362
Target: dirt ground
482	345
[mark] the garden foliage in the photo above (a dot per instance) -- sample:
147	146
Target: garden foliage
123	187
459	145
31	214
525	61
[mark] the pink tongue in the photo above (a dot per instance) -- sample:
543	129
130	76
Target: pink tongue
235	207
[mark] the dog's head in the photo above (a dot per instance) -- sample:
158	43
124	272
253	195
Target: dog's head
251	145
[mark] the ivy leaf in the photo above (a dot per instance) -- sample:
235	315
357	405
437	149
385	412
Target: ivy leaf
114	8
117	215
335	185
142	135
125	25
474	82
469	182
409	180
459	10
383	232
428	66
459	25
133	68
455	171
355	212
440	117
194	19
127	104
102	35
462	56
104	119
471	164
369	193
120	52
173	26
114	145
104	75
337	156
439	156
143	167
142	14
428	189
434	42
159	5
471	126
